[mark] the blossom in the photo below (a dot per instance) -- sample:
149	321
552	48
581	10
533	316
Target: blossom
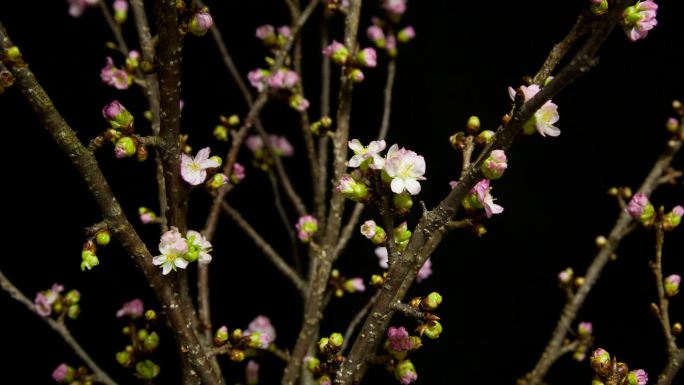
406	168
120	10
76	7
125	147
307	226
133	308
114	77
44	299
638	19
198	247
383	256
172	247
425	271
544	118
238	173
352	188
399	339
257	79
640	208
194	170
395	7
283	79
481	192
372	231
262	324
280	144
363	153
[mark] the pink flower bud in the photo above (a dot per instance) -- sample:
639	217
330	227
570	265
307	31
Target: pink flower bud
200	23
266	33
133	308
63	373
307	226
585	329
395	7
398	339
368	57
262	324
672	219
354	285
637	377
376	35
495	165
407	34
640	208
405	372
252	373
337	52
671	284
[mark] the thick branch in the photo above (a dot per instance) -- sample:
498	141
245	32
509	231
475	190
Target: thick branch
87	166
59	328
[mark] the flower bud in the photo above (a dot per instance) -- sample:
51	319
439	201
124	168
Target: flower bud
432	330
405	372
337	52
431	302
336	340
637	377
672	125
672	219
565	277
352	189
102	237
259	340
354	285
72	297
401	233
676	328
402	202
64	374
671	284
141	154
124	359
89	260
151	342
485	137
600	361
73	311
266	33
356	75
311	363
376	35
221	133
252	373
585	329
473	124
221	336
306	227
200	23
641	209
118	116
217	181
599	7
495	165
601	241
323	344
150	315
125	147
324	380
236	355
298	102
146	369
406	34
368	57
120	11
375	233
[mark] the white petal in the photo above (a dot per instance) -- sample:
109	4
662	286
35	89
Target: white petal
158	260
180	263
552	130
209	163
202	155
397	185
376	146
511	93
412	186
355	161
166	268
418	168
356	146
204	257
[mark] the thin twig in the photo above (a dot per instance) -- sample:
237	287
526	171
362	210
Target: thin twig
348	230
354	323
289	229
389	88
265	247
59	328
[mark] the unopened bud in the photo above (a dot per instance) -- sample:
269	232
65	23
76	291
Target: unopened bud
200	23
432	301
336	340
473	124
356	75
677	328
102	238
124	359
125	147
236	355
601	241
150	315
151	342
432	330
671	284
485	137
579	282
73	311
221	133
147	369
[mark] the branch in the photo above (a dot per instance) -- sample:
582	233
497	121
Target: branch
59	328
354	323
86	164
289	229
389	88
265	247
673	365
430	229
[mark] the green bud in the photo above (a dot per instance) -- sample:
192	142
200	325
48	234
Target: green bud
599	9
236	334
148	114
102	238
322	344
217	159
142	334
151	342
485	137
324	380
432	301
596	381
72	297
673	219
312	363
416	342
146	369
124	359
402	202
336	340
473	124
126	330
402	233
73	311
380	236
150	315
326	121
89	260
13	54
356	75
125	147
547	80
234	120
221	336
221	133
236	355
433	329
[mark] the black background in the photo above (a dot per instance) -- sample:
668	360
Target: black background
501	299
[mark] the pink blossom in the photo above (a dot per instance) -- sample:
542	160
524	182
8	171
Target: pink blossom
281	145
200	23
495	165
639	18
399	339
375	34
482	189
544	118
299	102
396	7
306	227
337	52
284	31
637	377
262	324
60	373
585	328
406	168
406	34
368	57
133	308
265	32
354	285
77	7
172	247
369	228
120	6
194	170
254	143
405	372
383	256
238	172
364	153
257	79
424	271
42	306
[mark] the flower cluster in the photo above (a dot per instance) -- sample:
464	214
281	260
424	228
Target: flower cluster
121	132
143	340
340	55
178	252
543	119
327	359
120	78
382	37
638	19
607	371
271	38
52	301
641	209
260	334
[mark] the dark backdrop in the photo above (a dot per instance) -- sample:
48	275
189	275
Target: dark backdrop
501	299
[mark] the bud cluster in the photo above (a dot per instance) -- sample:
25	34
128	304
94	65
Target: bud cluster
327	360
260	334
143	340
342	284
53	302
608	370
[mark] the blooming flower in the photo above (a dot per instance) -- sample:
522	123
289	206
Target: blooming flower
544	118
262	324
198	247
307	226
638	19
283	79
383	256
481	193
194	170
172	247
44	299
257	78
363	154
399	339
115	77
406	168
133	308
